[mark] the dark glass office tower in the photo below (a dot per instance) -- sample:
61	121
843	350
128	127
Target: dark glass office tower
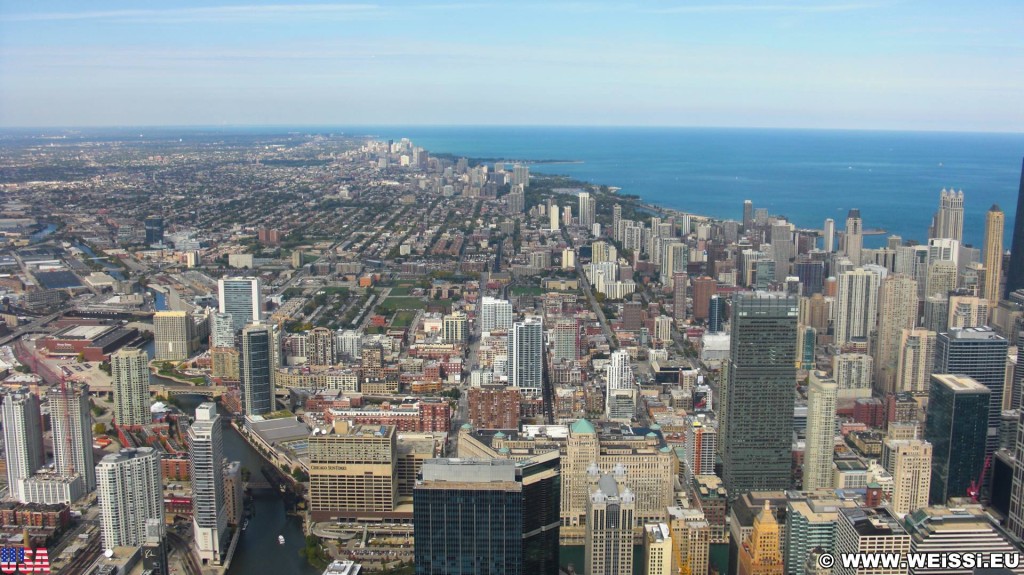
956	426
1015	271
257	369
978	353
154	230
757	400
488	517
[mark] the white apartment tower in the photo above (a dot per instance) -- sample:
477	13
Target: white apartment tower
526	355
71	421
130	492
23	440
206	451
495	314
130	371
821	430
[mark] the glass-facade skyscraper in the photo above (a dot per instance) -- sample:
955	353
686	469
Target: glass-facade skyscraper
257	369
957	419
240	297
487	517
1015	271
979	353
757	402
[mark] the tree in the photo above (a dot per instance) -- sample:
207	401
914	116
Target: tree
99	428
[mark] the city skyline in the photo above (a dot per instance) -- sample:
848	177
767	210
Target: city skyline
874	65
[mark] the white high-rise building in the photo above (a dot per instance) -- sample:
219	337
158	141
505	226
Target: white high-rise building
853	240
130	492
349	343
949	221
23	440
241	298
856	306
222	330
553	217
71	421
588	210
495	314
130	371
206	455
674	259
620	371
829	234
526	355
852	373
821	430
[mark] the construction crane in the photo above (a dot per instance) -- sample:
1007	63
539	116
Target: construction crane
974	489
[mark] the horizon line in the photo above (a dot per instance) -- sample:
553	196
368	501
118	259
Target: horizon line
85	127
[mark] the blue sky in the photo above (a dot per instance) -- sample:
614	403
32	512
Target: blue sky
885	64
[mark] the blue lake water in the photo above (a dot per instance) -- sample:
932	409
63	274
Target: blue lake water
894	178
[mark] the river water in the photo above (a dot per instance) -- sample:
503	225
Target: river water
258	552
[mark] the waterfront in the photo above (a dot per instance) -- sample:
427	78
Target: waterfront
258	550
894	178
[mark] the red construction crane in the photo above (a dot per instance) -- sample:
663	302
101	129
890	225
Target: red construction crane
975	487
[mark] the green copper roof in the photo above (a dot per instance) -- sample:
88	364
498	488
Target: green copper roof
583	426
499	435
466	426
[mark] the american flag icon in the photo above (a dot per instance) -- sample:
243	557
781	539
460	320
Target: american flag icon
12	555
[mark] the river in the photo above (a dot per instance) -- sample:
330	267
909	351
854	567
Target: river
258	551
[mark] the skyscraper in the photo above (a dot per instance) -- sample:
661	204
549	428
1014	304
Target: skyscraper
760	553
495	314
757	403
980	354
608	547
748	215
23	440
257	369
521	175
916	361
856	305
71	421
829	233
206	456
588	210
822	394
487	516
565	339
130	492
853	240
910	464
958	410
130	371
320	346
993	253
154	230
553	217
679	285
241	298
674	258
949	221
526	355
716	314
703	289
1015	271
897	307
172	335
222	330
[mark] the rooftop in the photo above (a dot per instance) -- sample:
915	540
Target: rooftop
873	522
